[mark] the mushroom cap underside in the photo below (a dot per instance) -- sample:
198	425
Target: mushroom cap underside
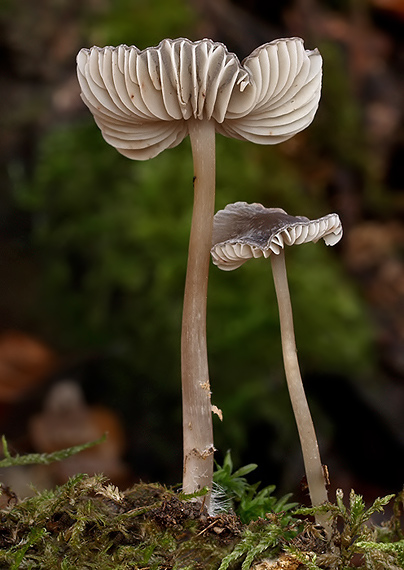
141	100
244	231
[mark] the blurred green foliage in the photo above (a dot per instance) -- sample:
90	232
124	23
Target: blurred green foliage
112	236
111	240
138	22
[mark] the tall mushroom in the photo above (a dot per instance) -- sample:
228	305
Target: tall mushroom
243	231
147	101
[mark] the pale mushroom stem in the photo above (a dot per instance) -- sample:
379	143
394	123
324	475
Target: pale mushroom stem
311	455
196	402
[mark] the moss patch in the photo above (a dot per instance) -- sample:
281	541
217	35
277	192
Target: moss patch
88	523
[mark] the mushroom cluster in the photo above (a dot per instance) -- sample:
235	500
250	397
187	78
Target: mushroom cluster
147	101
245	231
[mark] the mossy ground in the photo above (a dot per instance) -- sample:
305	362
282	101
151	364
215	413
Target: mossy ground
88	523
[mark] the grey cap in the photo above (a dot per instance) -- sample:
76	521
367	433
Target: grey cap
243	231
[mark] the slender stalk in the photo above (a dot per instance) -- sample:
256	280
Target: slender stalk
308	440
197	409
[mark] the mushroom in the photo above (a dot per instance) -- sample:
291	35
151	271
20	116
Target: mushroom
147	101
243	231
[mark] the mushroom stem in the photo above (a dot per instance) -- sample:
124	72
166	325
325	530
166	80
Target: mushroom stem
311	455
197	409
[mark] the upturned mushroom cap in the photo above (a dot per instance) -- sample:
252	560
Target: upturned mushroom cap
242	231
141	100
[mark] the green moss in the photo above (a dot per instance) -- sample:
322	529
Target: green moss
88	523
43	458
375	547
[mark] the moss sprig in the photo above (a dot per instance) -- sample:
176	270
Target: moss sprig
43	458
380	547
260	537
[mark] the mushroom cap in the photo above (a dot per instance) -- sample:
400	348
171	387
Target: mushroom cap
243	231
141	100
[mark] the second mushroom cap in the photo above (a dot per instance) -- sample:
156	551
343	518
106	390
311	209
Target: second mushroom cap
243	231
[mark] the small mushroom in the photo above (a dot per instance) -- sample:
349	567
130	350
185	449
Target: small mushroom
147	101
243	231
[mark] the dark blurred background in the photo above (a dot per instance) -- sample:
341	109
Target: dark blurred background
93	249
